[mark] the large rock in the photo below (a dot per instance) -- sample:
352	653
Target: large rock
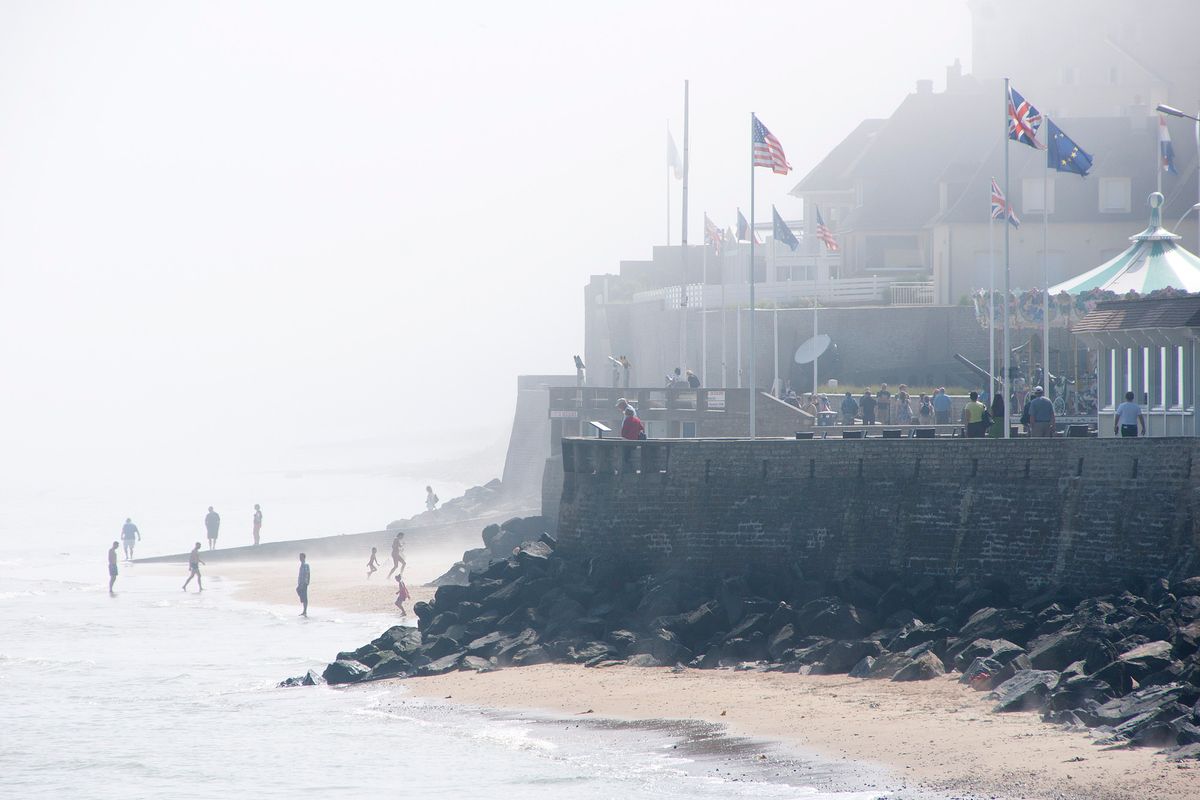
1025	691
1013	624
863	668
443	665
345	671
390	666
664	646
1188	587
1056	651
1145	701
1146	659
923	668
842	656
828	616
887	666
1000	650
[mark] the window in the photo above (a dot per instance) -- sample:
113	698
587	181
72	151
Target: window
1031	195
1114	195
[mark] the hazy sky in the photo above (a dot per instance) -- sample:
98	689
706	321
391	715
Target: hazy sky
232	229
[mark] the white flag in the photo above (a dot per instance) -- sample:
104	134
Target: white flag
673	159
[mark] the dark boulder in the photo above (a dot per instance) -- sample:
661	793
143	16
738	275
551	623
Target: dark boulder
442	665
399	638
391	666
437	646
695	626
922	668
510	646
886	666
645	660
424	613
664	646
343	671
486	646
309	678
981	674
1146	659
1188	587
1055	651
623	641
1000	650
1186	640
842	656
909	637
828	616
1013	624
1025	691
589	651
528	656
1187	609
863	668
781	641
1080	691
477	664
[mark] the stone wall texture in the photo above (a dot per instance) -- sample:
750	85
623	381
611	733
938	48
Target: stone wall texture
1085	513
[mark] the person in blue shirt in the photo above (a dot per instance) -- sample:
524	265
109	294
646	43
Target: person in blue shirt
941	406
1129	418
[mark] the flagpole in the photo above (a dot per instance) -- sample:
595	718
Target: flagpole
1007	276
704	313
724	326
1158	159
1045	277
992	296
683	302
753	383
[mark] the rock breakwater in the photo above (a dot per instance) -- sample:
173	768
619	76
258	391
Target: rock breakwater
1126	664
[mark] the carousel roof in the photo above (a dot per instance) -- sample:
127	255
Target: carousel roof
1154	261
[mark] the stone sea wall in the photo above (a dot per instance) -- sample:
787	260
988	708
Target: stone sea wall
1082	513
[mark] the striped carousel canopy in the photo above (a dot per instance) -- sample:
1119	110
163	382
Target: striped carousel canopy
1154	261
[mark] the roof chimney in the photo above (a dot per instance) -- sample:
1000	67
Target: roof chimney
924	86
953	75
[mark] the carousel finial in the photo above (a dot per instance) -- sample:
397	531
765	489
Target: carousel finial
1155	201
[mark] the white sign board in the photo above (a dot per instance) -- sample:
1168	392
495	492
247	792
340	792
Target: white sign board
716	401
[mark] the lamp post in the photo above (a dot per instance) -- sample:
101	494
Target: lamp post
1175	112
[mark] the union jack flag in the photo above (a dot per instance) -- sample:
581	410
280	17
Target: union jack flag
999	204
712	235
824	234
1023	120
768	152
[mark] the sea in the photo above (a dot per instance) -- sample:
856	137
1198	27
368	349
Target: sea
157	693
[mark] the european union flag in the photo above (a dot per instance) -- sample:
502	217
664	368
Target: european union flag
782	232
1063	154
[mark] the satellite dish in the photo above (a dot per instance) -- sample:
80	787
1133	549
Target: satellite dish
811	350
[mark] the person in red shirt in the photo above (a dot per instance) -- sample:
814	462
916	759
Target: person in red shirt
632	427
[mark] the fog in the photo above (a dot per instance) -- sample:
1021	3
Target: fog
258	232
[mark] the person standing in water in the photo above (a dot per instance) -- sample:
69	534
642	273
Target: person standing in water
302	585
257	523
431	499
194	563
112	566
129	536
398	554
212	524
373	562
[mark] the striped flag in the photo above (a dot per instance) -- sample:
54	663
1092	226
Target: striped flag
1023	120
743	232
998	206
712	235
1165	148
768	152
824	234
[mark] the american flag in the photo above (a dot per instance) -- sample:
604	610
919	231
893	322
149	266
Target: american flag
824	234
768	152
1023	120
998	206
712	235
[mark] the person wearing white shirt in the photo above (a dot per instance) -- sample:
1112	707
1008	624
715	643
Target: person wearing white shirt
1129	418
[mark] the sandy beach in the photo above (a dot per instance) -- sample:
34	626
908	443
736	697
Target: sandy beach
934	735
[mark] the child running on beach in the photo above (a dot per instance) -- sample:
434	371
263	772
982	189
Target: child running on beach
401	595
373	562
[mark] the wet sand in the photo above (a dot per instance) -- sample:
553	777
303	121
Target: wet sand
934	735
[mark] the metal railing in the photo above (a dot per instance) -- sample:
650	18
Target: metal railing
912	293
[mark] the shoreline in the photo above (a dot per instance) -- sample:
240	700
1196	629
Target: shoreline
928	736
933	736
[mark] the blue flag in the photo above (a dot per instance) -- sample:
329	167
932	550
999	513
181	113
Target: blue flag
1063	154
782	232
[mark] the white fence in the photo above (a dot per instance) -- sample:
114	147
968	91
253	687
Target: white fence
838	292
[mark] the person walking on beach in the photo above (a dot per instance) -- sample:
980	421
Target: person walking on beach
1129	418
130	535
257	522
398	554
112	566
431	499
402	595
194	563
302	585
212	524
373	562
